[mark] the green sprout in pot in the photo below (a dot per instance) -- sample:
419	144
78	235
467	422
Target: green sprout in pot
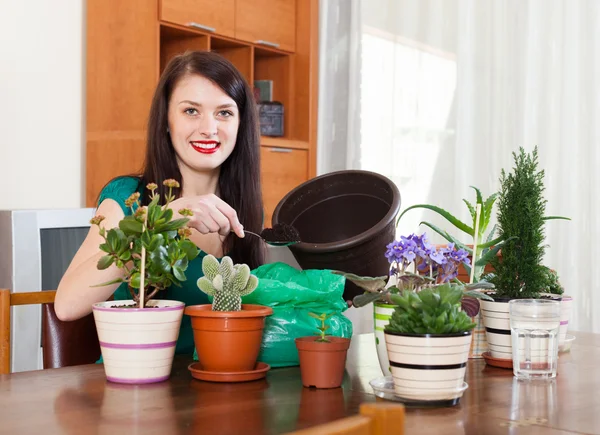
149	245
435	310
226	282
415	265
323	318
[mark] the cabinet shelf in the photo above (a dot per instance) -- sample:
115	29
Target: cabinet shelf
280	142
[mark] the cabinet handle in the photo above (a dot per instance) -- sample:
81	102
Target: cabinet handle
280	150
202	27
267	43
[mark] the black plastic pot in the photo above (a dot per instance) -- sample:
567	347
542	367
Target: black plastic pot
345	220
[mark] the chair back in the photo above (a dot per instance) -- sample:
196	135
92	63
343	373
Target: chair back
64	343
68	343
379	418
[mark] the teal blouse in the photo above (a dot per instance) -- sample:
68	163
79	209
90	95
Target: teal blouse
119	190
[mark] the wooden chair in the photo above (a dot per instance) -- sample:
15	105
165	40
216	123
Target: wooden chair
64	343
374	419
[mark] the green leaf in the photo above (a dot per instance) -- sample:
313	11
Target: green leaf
156	241
105	262
125	256
178	272
160	259
135	280
547	218
190	249
491	243
131	226
478	194
105	247
172	225
315	316
371	284
471	209
448	237
366	298
477	295
454	221
114	281
146	239
113	240
488	207
167	215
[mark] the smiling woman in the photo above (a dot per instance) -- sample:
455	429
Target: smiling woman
202	132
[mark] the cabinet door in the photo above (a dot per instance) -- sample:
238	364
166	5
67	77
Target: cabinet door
269	22
214	16
121	74
282	169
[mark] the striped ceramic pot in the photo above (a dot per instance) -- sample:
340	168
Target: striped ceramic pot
497	328
382	314
429	366
138	345
565	315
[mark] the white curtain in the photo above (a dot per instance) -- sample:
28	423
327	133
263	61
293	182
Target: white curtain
437	94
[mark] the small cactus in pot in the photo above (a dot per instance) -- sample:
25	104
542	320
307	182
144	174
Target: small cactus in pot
227	333
226	283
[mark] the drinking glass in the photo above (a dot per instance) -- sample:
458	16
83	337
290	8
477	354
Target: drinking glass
534	325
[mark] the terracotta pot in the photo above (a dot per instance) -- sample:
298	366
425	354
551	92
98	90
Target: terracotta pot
322	364
138	344
228	341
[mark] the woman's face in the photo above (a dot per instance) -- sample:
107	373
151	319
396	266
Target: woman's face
203	123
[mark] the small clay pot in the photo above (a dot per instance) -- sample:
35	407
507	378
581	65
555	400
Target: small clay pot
322	364
228	341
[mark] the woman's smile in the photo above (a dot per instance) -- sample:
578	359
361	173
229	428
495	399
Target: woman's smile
205	146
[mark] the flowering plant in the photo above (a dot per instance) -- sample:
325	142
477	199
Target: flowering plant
415	264
149	245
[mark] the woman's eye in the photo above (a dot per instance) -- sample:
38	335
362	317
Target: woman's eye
225	113
191	111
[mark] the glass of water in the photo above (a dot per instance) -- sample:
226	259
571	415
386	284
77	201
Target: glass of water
534	325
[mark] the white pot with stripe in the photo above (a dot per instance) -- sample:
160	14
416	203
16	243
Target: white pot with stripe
381	317
565	314
138	345
497	328
428	367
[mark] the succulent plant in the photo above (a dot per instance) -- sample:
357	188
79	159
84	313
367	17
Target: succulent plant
434	310
226	282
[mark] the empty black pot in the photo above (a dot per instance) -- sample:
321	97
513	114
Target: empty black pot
345	220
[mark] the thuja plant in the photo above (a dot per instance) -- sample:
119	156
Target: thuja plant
415	265
150	236
521	210
323	317
487	246
434	310
226	282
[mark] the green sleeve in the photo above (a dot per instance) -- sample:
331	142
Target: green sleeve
119	190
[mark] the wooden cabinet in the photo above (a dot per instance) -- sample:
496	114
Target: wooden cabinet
282	169
129	43
209	15
267	22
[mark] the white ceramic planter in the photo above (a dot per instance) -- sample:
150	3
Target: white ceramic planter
497	328
381	317
138	345
428	367
565	315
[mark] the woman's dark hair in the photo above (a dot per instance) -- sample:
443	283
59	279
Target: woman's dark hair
239	179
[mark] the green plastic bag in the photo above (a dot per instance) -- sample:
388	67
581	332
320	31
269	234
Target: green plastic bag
292	294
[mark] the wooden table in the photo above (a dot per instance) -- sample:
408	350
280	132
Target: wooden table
78	400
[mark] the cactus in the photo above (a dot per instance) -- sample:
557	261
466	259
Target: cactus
226	283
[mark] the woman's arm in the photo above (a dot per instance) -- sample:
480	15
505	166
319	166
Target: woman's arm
75	296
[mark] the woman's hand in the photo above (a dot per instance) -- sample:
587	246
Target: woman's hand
210	215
